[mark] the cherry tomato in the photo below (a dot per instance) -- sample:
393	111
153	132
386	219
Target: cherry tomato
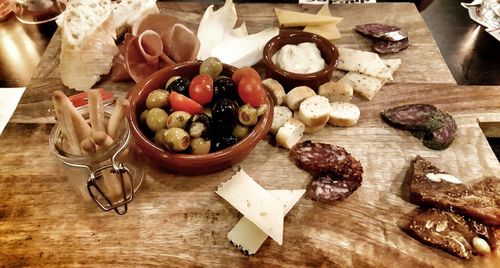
251	91
180	102
245	71
201	89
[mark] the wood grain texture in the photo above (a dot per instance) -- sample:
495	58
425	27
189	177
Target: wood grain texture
180	221
422	61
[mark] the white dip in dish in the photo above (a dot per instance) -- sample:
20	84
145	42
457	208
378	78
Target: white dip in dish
304	58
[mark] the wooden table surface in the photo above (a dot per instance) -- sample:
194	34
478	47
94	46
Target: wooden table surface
179	221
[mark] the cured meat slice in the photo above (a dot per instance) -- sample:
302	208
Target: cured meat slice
418	117
137	66
480	201
159	23
441	139
385	46
183	44
375	30
336	173
321	157
326	188
119	72
449	232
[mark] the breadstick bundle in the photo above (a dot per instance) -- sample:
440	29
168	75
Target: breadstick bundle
80	138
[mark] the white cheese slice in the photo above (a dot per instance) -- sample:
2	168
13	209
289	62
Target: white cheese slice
247	237
328	31
255	203
363	62
367	86
288	18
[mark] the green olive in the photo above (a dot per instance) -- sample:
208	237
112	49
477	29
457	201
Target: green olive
159	138
172	79
157	98
247	115
211	66
200	146
262	109
178	119
208	112
176	139
240	131
156	119
143	116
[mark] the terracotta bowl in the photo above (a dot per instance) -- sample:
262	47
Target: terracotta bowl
290	80
188	163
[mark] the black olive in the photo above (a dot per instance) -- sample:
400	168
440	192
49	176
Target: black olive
223	142
225	115
199	125
225	87
180	85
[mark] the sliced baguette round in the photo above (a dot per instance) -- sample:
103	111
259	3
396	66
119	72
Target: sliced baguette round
308	130
291	133
336	91
343	114
314	111
297	95
281	114
276	89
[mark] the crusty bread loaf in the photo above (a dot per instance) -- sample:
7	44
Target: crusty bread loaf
281	114
295	96
343	114
276	89
314	111
290	134
336	91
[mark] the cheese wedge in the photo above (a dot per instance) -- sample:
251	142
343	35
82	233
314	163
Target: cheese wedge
328	31
255	203
247	237
363	62
367	86
287	18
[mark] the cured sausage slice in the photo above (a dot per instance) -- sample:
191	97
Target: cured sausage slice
375	30
384	46
417	117
326	188
441	139
321	157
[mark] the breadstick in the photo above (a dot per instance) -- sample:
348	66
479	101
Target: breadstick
82	128
116	121
96	110
88	146
63	115
102	139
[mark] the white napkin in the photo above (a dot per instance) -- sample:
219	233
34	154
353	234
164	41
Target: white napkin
9	98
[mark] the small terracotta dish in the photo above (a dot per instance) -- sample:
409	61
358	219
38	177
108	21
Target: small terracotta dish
188	163
290	80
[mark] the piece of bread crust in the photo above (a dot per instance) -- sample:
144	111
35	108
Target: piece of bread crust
290	134
276	89
298	94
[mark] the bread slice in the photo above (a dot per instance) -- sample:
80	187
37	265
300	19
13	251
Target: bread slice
290	134
276	89
295	96
83	18
308	130
281	114
314	111
343	114
336	91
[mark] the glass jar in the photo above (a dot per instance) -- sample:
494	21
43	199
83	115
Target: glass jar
110	176
38	11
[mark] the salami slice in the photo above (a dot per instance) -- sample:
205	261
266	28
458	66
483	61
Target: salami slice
385	47
325	188
375	30
321	157
416	117
441	139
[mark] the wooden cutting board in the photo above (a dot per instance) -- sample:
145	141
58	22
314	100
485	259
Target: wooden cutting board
180	221
421	62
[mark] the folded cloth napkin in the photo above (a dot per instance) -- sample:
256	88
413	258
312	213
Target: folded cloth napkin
9	98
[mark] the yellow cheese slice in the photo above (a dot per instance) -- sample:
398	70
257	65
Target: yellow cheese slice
287	18
255	203
247	237
328	31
